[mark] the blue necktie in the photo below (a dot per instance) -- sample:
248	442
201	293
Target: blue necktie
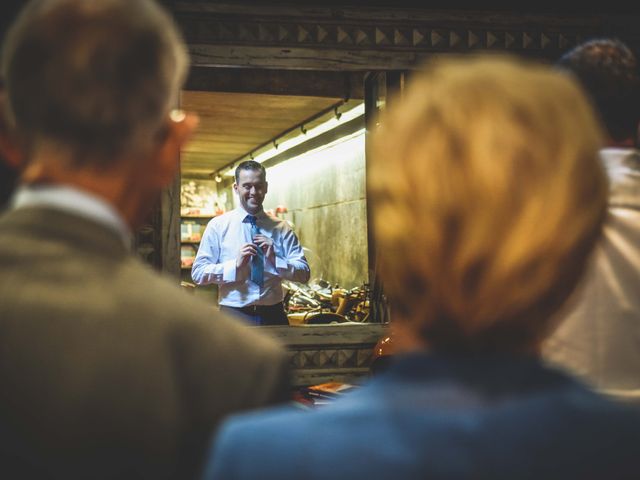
257	261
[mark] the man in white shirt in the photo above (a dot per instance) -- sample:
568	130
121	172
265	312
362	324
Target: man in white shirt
248	253
600	338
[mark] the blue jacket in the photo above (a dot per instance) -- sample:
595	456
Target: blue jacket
440	417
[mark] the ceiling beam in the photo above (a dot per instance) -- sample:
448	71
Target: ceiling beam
364	38
334	84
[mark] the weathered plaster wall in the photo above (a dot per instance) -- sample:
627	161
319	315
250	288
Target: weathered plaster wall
324	193
325	197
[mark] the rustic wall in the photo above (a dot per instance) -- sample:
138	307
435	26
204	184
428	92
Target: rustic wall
324	193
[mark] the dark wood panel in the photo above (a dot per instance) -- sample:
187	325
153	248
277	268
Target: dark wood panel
300	58
277	82
356	38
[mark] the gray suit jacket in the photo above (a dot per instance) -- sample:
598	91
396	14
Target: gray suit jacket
106	369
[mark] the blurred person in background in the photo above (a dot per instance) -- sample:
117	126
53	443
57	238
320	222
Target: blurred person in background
487	197
107	371
599	338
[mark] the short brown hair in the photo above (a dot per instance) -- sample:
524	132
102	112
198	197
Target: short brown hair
487	196
250	165
98	77
610	73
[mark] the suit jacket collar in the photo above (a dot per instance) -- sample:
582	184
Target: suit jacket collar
73	200
497	374
241	214
52	224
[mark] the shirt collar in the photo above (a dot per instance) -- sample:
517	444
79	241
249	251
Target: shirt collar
623	170
73	200
497	372
617	155
242	214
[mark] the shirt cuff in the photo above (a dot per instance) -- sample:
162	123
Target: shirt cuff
281	264
229	271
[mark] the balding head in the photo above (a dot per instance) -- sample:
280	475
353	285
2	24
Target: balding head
95	77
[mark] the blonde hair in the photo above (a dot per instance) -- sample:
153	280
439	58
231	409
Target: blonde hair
487	197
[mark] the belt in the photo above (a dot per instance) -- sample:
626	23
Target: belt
258	309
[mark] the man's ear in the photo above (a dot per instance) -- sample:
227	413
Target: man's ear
10	152
180	128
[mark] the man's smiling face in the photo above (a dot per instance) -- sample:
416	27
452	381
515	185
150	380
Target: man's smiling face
251	188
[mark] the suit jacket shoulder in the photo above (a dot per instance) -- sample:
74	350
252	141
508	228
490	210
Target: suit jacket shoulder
428	426
103	362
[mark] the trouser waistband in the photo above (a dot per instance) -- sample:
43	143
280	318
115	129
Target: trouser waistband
260	314
258	309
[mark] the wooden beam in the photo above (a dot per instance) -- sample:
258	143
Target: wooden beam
338	38
301	58
400	11
277	82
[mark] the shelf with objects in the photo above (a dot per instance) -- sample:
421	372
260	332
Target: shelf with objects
191	230
199	203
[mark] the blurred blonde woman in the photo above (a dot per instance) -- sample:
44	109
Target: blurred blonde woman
488	198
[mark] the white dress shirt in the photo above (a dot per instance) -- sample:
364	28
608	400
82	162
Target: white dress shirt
215	261
599	338
75	201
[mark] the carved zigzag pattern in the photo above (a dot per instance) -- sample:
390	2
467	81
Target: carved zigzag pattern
391	37
331	358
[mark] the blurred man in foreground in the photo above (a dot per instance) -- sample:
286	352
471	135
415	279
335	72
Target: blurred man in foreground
487	196
107	370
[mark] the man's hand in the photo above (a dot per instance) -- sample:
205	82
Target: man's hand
247	251
266	244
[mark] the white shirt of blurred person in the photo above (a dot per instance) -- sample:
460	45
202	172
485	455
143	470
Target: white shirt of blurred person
226	251
599	339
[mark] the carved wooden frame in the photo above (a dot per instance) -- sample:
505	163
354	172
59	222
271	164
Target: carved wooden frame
374	38
324	353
